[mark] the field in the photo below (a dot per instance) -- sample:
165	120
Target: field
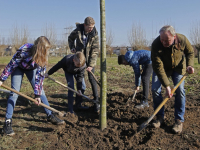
34	132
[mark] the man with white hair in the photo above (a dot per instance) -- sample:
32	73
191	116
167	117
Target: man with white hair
172	55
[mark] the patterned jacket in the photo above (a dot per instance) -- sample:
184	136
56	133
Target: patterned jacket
137	58
91	50
68	66
22	60
177	57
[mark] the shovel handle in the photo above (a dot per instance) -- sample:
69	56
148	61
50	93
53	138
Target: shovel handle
166	99
134	95
31	99
95	78
172	92
145	124
69	88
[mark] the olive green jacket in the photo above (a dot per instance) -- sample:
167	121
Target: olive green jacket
92	49
174	58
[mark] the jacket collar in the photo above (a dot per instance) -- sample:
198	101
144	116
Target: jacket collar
177	42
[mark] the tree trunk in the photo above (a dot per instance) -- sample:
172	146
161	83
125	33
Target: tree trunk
198	56
103	92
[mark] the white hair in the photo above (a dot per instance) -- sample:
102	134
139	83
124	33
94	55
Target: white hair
168	28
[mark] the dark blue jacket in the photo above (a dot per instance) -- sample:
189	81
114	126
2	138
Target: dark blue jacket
137	58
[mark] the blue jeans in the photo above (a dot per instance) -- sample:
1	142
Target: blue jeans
16	81
70	83
179	97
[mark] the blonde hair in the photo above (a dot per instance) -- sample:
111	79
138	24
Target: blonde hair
89	21
79	58
168	28
39	51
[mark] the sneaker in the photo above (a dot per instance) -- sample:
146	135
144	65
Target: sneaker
96	107
55	120
7	128
178	126
157	123
142	105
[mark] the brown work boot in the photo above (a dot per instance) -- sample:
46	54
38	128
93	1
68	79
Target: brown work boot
157	123
178	126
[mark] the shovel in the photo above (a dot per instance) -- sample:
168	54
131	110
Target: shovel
72	90
132	98
134	95
29	98
145	124
95	78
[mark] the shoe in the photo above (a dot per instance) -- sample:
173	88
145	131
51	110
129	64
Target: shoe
157	123
97	107
55	120
7	128
178	126
142	105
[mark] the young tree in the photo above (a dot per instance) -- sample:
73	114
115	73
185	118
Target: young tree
137	37
195	38
103	115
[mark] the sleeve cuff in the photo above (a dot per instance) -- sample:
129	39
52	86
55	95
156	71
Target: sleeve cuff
37	96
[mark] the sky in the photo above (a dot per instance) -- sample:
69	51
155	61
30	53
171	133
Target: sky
151	15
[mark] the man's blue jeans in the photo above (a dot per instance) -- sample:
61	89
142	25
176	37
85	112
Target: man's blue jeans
70	83
16	81
179	97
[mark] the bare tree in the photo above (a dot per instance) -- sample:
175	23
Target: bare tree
109	41
137	37
50	32
24	35
195	37
18	37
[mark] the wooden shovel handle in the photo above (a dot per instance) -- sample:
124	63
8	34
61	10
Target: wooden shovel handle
172	92
95	78
71	89
31	99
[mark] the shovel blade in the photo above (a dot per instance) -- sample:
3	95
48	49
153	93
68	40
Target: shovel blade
142	126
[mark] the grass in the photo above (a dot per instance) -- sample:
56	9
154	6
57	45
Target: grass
114	71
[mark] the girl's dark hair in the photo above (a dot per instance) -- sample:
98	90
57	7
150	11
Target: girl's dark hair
39	51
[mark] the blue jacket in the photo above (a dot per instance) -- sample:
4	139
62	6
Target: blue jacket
137	58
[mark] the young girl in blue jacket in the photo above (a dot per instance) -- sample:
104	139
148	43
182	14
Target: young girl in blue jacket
30	59
135	59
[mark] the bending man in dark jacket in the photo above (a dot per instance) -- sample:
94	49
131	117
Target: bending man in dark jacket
87	41
171	55
74	66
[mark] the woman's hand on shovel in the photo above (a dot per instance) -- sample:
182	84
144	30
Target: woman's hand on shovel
38	101
1	83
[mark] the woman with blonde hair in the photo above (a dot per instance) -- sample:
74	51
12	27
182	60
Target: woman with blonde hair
30	59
